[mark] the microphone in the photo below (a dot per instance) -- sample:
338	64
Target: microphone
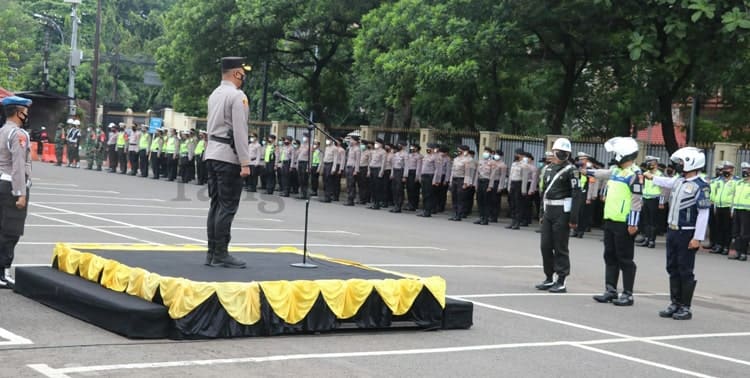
281	97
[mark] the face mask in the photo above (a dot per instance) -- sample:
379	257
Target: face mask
242	81
281	143
304	139
286	142
466	153
328	143
588	165
486	155
525	160
496	157
745	174
412	149
252	139
24	118
377	146
679	168
670	172
362	147
726	173
561	155
295	145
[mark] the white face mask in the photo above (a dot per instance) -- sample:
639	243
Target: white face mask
525	160
252	139
496	157
486	155
377	146
328	143
304	139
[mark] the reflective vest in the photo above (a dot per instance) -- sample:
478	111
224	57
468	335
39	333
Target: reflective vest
742	196
184	147
316	157
155	144
169	148
268	157
200	147
144	141
582	183
650	190
722	191
121	140
619	194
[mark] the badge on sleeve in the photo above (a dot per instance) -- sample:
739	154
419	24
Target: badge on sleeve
245	101
22	139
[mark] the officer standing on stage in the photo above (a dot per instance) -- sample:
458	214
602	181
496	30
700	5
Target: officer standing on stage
621	215
559	216
227	158
15	176
689	206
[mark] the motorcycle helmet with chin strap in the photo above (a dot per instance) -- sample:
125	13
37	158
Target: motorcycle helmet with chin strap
624	148
691	158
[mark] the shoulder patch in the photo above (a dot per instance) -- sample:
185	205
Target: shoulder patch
22	139
245	101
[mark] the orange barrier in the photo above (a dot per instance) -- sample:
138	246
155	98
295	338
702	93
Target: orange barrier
48	154
34	146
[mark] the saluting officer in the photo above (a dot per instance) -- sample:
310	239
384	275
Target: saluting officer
15	176
621	215
227	158
559	215
689	207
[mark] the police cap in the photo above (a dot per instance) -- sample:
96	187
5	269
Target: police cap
16	101
232	62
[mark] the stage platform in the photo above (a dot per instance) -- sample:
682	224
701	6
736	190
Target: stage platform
150	291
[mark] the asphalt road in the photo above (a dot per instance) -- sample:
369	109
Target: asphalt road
517	331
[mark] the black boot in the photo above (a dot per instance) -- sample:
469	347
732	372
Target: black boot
558	286
675	296
684	313
546	284
6	280
609	295
210	253
625	299
222	258
485	222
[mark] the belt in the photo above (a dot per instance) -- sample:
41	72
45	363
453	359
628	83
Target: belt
680	228
6	177
484	179
557	202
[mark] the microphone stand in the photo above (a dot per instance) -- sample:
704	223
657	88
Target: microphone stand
311	127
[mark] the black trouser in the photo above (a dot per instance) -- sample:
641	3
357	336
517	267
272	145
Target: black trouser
59	153
256	171
133	159
494	200
618	256
680	259
351	186
428	193
143	162
328	178
483	198
515	202
525	210
122	155
363	185
376	187
742	231
315	179
337	183
584	214
40	148
294	180
224	190
202	169
650	217
469	200
155	164
723	226
286	167
412	189
73	153
712	225
12	222
397	188
172	166
303	176
184	169
441	195
270	174
554	242
191	169
164	164
457	196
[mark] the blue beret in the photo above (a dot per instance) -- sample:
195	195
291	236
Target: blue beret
15	100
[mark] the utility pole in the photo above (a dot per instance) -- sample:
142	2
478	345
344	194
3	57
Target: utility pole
263	112
95	73
48	23
75	55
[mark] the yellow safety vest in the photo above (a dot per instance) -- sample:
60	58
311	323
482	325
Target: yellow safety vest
650	190
170	145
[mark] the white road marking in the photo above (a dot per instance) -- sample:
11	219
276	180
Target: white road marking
123	224
605	332
457	266
112	197
503	295
99	204
341	246
152	215
78	225
50	183
642	361
9	338
204	227
57	190
62	372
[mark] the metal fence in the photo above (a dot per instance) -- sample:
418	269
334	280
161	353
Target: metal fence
117	117
509	144
393	136
454	138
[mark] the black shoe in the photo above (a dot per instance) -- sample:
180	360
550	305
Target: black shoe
625	299
228	261
573	234
725	251
515	227
209	258
742	257
683	313
545	285
558	287
424	215
651	244
607	297
478	221
524	224
493	220
579	235
485	222
642	243
716	249
395	210
325	200
669	311
6	280
349	204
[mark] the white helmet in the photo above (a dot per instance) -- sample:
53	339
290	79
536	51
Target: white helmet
70	121
745	165
691	158
76	122
562	144
625	148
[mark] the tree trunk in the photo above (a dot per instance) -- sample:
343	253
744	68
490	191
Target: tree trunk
406	112
667	125
388	118
494	104
315	95
563	100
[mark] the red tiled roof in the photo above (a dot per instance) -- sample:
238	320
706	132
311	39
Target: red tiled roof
5	93
656	136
